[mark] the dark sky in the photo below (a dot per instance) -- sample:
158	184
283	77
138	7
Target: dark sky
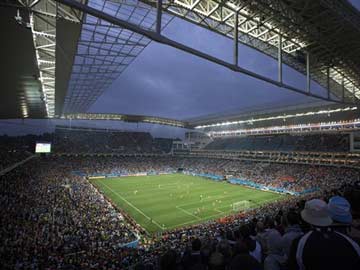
164	81
355	3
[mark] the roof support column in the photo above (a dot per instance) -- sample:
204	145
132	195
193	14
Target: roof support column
353	92
280	72
236	38
328	82
158	16
308	73
342	89
170	42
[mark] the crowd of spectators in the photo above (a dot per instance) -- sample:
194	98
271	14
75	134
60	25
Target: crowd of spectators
286	235
82	140
87	140
53	219
93	140
332	142
14	149
9	157
294	177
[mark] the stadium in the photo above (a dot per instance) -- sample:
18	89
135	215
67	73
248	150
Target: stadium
180	134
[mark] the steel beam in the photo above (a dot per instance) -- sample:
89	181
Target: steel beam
342	89
353	92
308	80
328	81
164	40
158	16
280	72
236	39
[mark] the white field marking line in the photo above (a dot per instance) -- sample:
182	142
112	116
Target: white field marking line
147	190
161	188
152	184
213	198
144	184
133	206
204	218
187	212
265	201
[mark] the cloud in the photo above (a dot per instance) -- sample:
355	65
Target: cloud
164	81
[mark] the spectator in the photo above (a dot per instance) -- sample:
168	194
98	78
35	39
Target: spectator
252	244
217	261
262	236
51	218
168	261
192	259
339	209
292	231
243	260
321	247
340	212
275	260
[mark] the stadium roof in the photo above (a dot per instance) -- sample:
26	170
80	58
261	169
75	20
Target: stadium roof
79	55
20	94
327	33
126	118
31	29
291	115
105	50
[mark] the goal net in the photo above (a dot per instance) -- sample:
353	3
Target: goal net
241	205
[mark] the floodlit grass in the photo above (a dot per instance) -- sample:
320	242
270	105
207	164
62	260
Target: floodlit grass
164	202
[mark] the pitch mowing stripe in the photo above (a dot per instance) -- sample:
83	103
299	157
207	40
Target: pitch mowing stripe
133	206
163	203
204	219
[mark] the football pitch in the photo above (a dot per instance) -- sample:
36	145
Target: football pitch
164	202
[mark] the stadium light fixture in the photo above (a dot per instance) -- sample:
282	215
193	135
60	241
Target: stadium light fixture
47	84
222	17
125	118
43	16
290	128
284	116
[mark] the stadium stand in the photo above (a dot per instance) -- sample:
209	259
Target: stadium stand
9	157
51	218
162	144
48	218
54	217
16	149
284	142
303	160
90	140
292	177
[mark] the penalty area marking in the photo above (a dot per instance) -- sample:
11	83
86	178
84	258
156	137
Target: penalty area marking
215	215
187	212
133	206
191	221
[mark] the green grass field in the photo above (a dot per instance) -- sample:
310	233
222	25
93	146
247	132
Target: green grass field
164	202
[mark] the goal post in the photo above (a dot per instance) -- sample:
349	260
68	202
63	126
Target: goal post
240	205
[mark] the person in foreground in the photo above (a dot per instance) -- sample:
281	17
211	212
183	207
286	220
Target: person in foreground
323	247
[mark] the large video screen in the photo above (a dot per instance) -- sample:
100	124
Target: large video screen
43	147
